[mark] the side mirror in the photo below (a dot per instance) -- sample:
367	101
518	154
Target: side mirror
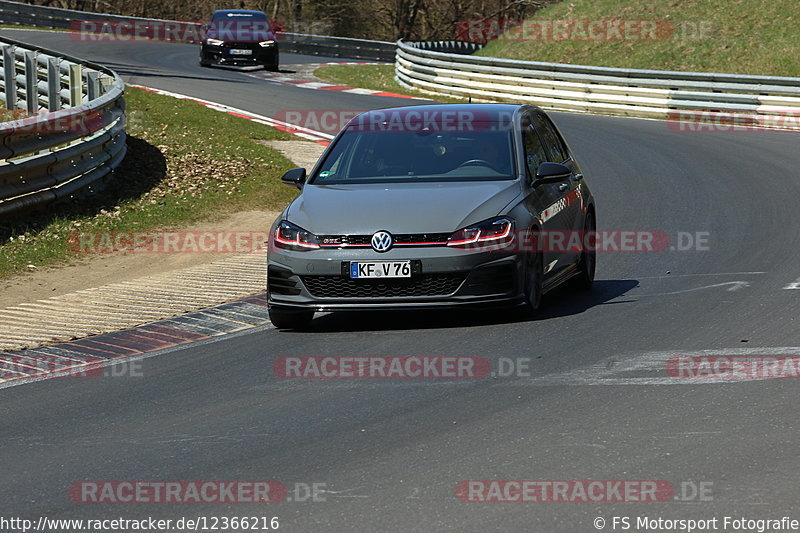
551	173
295	177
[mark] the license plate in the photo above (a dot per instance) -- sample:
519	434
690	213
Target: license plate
237	52
380	269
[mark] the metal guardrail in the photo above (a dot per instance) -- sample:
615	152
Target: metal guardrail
449	47
74	135
764	101
21	14
324	45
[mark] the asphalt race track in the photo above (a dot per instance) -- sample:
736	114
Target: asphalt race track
596	403
174	67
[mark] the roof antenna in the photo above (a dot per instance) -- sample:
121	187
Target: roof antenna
469	99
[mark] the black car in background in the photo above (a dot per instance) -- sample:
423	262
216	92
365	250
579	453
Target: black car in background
239	37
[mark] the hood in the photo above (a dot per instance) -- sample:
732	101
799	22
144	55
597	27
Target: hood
399	208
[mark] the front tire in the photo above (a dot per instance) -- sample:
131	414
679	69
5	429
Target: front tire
204	62
588	261
290	319
534	275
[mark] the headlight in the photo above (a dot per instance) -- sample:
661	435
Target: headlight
214	42
493	232
266	43
292	237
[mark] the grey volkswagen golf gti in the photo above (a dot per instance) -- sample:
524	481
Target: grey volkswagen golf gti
433	206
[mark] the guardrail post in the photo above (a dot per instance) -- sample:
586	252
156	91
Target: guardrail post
105	83
31	82
75	85
53	84
9	77
92	85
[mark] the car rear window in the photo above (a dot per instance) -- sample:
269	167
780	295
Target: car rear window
422	154
230	15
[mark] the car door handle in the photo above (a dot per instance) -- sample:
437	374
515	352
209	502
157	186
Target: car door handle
563	187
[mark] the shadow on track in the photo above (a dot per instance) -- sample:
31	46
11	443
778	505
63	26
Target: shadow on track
565	302
562	302
142	169
249	69
125	70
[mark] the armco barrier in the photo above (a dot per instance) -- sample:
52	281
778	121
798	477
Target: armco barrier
324	45
73	133
749	100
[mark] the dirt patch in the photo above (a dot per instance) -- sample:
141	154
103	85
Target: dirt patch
102	269
303	153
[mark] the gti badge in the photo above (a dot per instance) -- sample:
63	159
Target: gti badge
382	241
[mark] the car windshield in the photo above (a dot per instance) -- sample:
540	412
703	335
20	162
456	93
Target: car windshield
232	15
361	156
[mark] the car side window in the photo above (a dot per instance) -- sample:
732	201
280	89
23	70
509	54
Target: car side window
337	164
550	138
535	154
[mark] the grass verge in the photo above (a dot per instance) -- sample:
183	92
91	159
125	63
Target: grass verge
7	115
185	163
735	36
18	27
375	77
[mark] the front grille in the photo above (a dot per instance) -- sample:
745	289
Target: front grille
249	45
345	240
403	239
222	53
417	238
422	285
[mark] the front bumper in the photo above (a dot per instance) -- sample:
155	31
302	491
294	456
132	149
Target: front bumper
441	277
259	55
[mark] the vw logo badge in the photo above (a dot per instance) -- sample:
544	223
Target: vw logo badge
382	241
